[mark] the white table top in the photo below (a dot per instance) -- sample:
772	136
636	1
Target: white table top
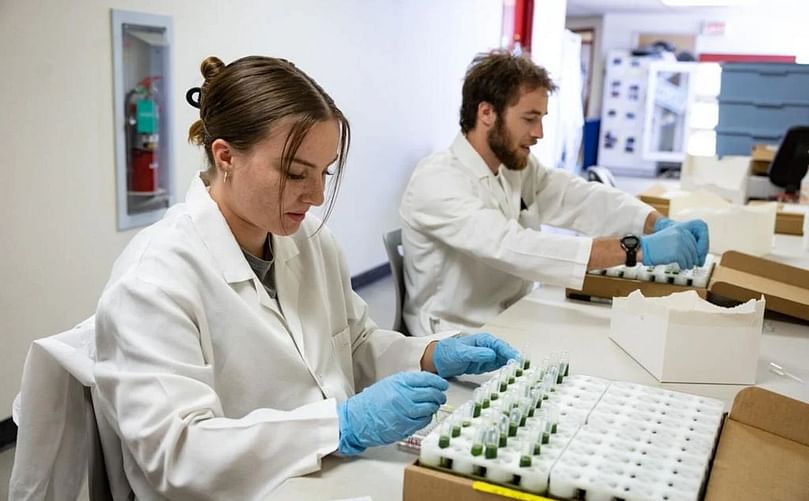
545	321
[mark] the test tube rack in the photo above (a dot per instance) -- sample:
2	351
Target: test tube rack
580	437
652	281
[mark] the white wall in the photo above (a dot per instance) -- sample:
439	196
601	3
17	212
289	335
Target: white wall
772	27
546	50
395	67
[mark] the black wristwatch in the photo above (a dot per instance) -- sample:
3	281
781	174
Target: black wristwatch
630	244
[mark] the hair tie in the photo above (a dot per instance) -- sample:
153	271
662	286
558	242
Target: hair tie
189	96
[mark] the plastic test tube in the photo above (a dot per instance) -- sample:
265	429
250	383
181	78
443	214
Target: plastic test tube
564	364
553	418
514	421
491	441
504	424
477	442
443	437
478	401
526	453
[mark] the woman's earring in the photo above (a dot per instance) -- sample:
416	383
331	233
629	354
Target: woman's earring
226	176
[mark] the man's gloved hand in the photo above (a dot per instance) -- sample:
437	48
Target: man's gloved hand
675	244
697	227
472	354
662	223
391	409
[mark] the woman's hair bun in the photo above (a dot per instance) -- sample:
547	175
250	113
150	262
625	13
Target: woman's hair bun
211	67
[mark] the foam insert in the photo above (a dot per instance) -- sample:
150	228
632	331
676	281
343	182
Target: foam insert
577	436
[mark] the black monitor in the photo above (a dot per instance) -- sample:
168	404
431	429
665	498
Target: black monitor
791	160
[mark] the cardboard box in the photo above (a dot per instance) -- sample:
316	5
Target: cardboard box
763	453
724	220
764	152
684	339
659	197
759	167
788	218
726	176
738	277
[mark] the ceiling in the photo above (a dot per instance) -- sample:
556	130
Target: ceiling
601	7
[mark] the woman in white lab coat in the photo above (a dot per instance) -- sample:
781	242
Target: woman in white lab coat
230	345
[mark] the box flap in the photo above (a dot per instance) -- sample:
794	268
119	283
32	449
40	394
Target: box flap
751	464
773	413
763	451
742	277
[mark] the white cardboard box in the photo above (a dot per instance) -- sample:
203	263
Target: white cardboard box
725	219
682	338
726	176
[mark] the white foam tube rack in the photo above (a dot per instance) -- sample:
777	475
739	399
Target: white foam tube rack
578	437
663	273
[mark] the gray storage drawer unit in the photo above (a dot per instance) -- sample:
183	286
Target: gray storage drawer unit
758	102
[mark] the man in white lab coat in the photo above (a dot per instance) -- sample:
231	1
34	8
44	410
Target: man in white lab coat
471	214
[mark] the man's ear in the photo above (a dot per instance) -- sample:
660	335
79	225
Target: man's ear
487	116
222	155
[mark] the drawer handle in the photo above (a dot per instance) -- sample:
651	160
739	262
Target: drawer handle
768	105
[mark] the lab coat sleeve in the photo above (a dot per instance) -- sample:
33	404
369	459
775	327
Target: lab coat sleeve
155	384
445	204
376	352
597	210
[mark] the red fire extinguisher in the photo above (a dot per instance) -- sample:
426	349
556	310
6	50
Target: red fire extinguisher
144	137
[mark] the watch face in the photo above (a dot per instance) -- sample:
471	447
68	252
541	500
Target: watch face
630	241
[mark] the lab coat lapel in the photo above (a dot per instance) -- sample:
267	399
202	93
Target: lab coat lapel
216	234
288	282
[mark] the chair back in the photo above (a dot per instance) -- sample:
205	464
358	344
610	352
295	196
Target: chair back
393	247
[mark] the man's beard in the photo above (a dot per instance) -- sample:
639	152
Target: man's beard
500	144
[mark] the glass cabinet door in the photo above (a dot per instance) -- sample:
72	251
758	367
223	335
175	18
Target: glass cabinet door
668	101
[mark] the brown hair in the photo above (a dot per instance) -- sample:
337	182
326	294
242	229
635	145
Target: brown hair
497	78
241	102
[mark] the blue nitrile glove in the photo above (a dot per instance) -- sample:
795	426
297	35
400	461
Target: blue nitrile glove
675	244
699	229
472	354
662	223
391	409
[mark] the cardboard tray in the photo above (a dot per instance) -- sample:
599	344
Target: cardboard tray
763	453
737	277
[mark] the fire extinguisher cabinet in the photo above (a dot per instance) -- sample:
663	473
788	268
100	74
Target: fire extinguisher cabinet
142	73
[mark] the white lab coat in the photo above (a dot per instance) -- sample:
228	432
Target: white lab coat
217	390
51	412
470	251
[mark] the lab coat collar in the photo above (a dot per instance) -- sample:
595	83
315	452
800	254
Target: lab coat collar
470	158
216	234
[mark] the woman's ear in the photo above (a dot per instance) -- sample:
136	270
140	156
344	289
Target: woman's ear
222	155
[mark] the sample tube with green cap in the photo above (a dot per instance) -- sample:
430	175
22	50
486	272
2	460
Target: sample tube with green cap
478	402
504	424
514	421
526	452
477	441
491	441
443	436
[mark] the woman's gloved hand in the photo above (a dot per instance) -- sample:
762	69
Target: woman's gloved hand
391	409
471	354
697	227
